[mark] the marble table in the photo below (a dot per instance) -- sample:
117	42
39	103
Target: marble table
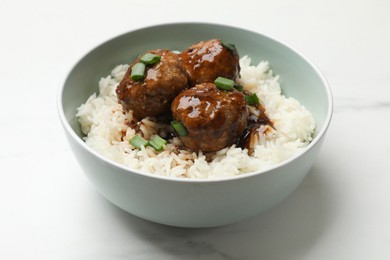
49	210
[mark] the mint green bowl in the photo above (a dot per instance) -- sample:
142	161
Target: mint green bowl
189	202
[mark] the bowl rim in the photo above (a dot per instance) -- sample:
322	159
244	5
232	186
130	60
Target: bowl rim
129	170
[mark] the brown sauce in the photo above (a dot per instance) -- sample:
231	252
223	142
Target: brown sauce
252	125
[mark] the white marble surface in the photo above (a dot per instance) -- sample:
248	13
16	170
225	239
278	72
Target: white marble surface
49	210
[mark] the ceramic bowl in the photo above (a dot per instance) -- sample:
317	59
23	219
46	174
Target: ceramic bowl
190	202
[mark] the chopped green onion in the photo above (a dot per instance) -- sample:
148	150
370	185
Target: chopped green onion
252	99
138	71
137	141
179	128
157	143
239	88
229	46
150	58
224	83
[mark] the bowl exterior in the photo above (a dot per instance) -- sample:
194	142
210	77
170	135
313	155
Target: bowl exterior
187	203
193	204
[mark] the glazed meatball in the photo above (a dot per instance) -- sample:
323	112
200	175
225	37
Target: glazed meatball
207	60
213	118
153	95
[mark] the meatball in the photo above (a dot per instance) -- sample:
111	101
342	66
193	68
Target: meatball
213	118
153	95
207	60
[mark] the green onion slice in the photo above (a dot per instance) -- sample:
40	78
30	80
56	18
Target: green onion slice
224	83
252	99
150	58
157	143
239	88
138	71
137	141
229	46
179	128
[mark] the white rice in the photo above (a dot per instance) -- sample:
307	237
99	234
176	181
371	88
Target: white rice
103	122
